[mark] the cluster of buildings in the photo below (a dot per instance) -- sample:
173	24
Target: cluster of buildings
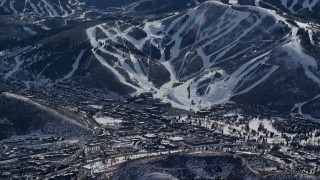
141	126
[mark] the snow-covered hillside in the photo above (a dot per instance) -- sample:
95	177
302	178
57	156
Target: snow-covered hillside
24	116
295	6
213	53
50	8
303	8
198	55
202	166
79	8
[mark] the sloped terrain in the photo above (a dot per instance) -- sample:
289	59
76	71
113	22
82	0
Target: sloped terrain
205	53
214	53
48	8
197	167
22	116
186	167
241	75
75	8
302	8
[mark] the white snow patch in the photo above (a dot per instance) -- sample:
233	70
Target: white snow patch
29	30
13	8
107	120
96	106
74	66
19	62
50	9
254	124
233	2
2	2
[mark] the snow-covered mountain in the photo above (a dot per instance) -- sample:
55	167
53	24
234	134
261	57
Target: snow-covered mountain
79	8
195	55
303	8
210	54
51	8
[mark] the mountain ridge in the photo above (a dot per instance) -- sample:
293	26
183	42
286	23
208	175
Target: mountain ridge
203	53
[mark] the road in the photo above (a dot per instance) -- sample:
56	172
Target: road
83	173
248	165
76	155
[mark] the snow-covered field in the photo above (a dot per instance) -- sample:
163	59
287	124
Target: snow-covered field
107	120
238	130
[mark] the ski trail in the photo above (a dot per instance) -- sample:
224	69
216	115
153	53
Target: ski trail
18	62
13	8
117	74
63	10
75	66
34	7
52	12
2	2
265	77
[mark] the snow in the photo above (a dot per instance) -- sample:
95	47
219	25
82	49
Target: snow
143	80
295	50
39	7
292	5
50	9
284	3
178	96
107	165
150	135
176	139
256	2
230	26
222	91
63	10
189	23
233	2
299	107
34	7
75	66
2	53
265	77
305	5
29	30
181	93
219	90
119	76
17	67
96	106
78	128
9	161
13	8
310	5
254	124
166	92
152	28
107	120
91	33
2	2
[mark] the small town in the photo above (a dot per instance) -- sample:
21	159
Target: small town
160	89
142	126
